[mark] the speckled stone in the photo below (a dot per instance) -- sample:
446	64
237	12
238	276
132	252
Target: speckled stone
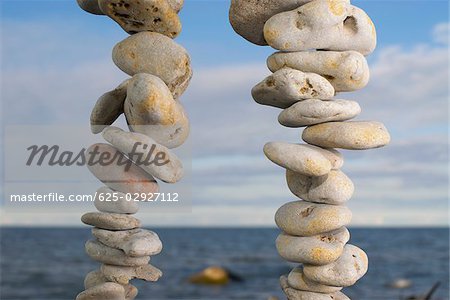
104	291
301	218
298	281
90	6
107	255
352	135
123	275
110	221
110	201
293	294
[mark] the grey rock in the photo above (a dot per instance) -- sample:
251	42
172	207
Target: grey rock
110	221
110	201
293	294
107	255
96	277
298	281
123	275
104	291
90	6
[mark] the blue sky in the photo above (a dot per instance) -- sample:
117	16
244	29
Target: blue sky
56	62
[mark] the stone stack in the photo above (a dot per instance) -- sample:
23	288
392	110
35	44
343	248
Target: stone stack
160	72
322	46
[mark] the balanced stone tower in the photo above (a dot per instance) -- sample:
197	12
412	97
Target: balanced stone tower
160	72
322	47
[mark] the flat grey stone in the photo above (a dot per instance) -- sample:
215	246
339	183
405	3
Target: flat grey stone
123	275
110	201
107	255
293	294
104	291
298	281
110	221
96	277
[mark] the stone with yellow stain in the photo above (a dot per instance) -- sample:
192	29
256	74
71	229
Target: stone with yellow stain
110	221
298	281
301	218
123	275
319	249
151	110
90	6
293	294
213	275
156	54
103	291
352	135
288	86
349	268
107	255
346	71
322	24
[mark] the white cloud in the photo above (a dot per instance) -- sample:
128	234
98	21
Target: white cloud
441	33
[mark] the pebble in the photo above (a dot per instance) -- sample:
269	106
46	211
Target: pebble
108	108
349	268
322	24
299	158
247	17
151	110
334	188
90	6
297	280
104	254
111	201
320	249
346	71
316	111
104	291
352	135
135	242
156	54
123	275
301	218
110	221
288	86
120	174
293	294
143	15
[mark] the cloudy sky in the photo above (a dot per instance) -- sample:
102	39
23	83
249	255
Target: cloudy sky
56	61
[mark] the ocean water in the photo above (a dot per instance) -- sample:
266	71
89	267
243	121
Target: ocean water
42	263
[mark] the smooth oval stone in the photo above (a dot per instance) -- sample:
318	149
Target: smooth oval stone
352	135
110	221
151	110
315	111
120	173
135	243
110	201
301	218
334	188
143	15
288	86
247	17
349	268
104	291
176	5
297	280
90	6
107	255
319	249
346	71
293	294
322	24
123	275
94	278
108	107
156	54
296	157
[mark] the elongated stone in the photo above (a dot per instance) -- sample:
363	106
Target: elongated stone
156	54
135	243
315	111
90	6
320	249
347	71
123	275
297	280
104	254
301	218
110	201
322	24
352	135
293	294
110	221
104	291
288	86
334	188
349	268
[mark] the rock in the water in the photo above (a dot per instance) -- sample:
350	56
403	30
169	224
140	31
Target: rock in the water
316	111
303	218
156	54
293	294
347	71
212	275
322	24
108	107
333	188
288	86
107	255
349	268
118	172
352	135
298	281
400	283
143	15
320	249
135	243
248	16
110	221
90	6
110	201
123	275
151	110
104	291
